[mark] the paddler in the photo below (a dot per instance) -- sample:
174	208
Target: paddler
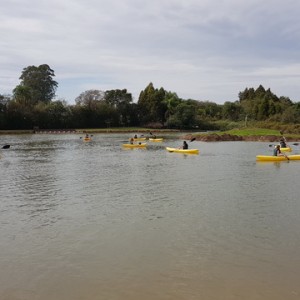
185	145
276	151
282	141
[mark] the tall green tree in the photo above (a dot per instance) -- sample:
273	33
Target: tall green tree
232	111
262	104
171	101
185	116
117	98
19	116
90	98
22	94
3	103
121	100
38	83
152	105
209	110
92	110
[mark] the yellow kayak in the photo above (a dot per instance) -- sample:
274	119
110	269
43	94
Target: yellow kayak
140	139
156	140
87	139
286	149
277	158
184	151
143	145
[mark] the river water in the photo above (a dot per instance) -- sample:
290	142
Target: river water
86	221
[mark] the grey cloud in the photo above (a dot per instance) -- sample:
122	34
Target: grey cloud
208	49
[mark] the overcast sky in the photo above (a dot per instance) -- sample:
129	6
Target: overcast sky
200	49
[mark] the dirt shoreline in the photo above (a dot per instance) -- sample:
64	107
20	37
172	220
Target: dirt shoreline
231	138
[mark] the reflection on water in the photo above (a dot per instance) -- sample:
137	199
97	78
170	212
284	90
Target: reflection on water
96	221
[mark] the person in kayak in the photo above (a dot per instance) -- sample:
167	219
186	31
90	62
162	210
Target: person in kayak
185	145
282	143
135	137
276	151
131	141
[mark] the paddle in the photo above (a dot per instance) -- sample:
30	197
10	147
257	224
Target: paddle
284	139
296	144
285	156
190	141
153	136
6	147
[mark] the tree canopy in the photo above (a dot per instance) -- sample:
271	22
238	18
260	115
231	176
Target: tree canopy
32	105
36	85
261	104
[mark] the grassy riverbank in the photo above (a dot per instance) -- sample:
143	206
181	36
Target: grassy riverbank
258	132
244	134
251	131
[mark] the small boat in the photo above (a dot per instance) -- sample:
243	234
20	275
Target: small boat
184	151
277	158
87	139
140	139
141	145
155	139
286	149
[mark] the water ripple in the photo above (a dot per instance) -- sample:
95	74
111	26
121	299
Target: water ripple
98	218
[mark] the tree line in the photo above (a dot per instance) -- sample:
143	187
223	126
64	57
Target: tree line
32	105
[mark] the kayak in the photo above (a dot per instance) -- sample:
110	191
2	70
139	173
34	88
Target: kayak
143	145
155	140
140	139
277	158
286	149
185	151
87	139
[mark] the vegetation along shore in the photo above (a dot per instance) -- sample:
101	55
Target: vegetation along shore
33	106
247	134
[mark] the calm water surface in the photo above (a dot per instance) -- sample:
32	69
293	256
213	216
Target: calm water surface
95	221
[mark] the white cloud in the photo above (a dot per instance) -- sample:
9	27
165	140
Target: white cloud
202	50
